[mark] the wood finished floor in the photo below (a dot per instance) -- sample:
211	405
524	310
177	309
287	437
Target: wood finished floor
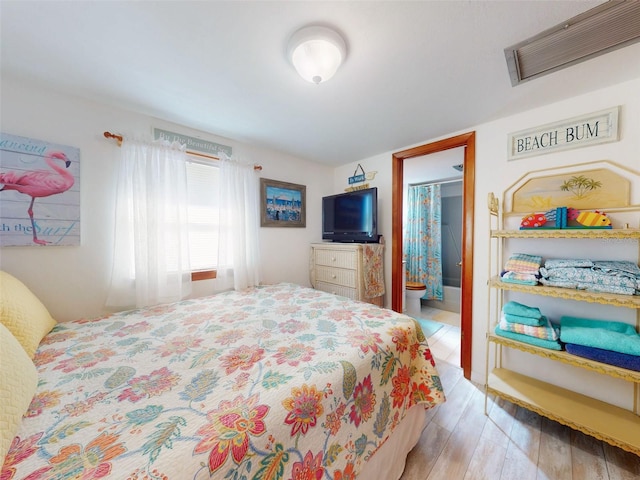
511	443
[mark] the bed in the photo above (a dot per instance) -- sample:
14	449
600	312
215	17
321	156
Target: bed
276	382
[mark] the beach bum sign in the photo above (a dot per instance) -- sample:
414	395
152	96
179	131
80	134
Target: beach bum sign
590	129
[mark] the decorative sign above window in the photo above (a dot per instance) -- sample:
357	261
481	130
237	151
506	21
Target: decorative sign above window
590	129
193	143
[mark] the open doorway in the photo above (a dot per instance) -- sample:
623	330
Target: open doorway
467	141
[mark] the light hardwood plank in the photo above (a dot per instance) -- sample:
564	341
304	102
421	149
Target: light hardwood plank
588	458
554	461
449	374
522	453
621	465
453	462
422	458
449	413
500	422
487	461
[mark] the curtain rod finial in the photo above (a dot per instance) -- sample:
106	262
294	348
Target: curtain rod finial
113	135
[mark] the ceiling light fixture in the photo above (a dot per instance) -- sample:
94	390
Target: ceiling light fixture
316	53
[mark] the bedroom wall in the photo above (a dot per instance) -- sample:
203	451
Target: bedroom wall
73	281
491	157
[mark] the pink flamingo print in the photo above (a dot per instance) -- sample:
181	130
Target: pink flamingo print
40	183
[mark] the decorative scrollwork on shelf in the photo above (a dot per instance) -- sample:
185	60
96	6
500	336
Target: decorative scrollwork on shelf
628	301
616	233
492	203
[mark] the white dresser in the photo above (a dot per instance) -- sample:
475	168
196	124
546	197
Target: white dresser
339	268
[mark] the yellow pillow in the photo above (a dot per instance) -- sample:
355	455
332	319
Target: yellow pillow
23	314
18	382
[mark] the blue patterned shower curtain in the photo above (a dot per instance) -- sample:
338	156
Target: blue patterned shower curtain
422	242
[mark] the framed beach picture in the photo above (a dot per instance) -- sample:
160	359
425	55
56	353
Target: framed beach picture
282	204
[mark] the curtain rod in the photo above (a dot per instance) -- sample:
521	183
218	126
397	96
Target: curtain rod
436	182
118	138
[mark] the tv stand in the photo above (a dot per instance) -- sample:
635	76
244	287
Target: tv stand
339	268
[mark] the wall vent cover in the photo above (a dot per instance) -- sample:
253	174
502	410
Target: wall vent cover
614	24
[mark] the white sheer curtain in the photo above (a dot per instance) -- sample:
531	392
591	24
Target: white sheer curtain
151	257
238	252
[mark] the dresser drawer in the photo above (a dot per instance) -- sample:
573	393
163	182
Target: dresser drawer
336	276
336	258
337	290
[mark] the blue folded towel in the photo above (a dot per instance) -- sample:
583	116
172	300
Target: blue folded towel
604	334
630	362
521	310
538	342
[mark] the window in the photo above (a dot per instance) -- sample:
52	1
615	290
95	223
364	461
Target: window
202	182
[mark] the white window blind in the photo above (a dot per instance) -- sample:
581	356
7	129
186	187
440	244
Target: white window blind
203	214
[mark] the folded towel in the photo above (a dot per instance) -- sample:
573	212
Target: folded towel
603	277
605	334
546	331
521	310
523	263
538	342
523	278
558	283
567	262
532	322
590	287
617	267
617	289
630	362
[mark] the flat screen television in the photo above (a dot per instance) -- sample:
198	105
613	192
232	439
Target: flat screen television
351	216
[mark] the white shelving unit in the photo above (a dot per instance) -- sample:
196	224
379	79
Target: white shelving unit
610	423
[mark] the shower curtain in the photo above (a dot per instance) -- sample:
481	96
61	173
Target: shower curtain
423	236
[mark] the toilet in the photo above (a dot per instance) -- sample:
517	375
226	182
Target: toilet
414	291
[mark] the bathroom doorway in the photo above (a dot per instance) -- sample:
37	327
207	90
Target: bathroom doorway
467	141
432	232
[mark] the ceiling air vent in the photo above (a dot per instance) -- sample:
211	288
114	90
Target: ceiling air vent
612	25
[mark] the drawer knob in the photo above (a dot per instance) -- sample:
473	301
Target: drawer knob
333	276
333	259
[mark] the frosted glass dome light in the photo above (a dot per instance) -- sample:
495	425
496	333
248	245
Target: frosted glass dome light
316	53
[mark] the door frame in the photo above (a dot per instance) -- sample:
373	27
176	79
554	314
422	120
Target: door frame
468	141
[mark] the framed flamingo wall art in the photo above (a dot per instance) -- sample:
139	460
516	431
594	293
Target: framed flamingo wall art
39	192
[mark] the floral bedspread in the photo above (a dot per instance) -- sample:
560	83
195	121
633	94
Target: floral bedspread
277	382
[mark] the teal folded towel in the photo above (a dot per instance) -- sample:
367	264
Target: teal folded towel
538	342
604	334
532	322
521	310
511	279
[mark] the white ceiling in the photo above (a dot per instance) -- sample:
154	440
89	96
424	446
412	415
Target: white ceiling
414	70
